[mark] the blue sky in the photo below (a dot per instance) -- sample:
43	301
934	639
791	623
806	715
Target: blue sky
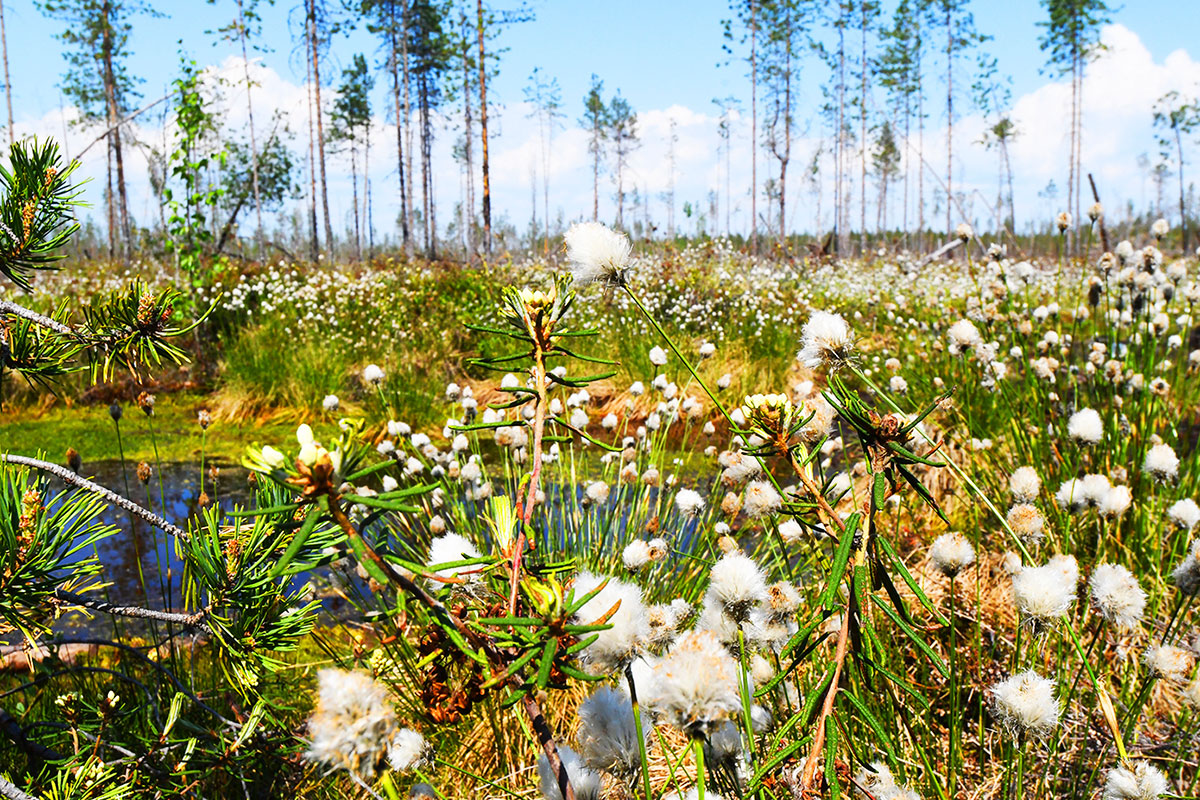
660	55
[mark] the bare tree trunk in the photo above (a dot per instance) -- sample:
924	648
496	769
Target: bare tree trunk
7	81
862	141
920	155
395	66
753	126
1183	225
483	131
316	76
367	191
408	142
113	116
596	173
314	243
787	135
1074	136
949	116
253	141
354	190
840	141
468	217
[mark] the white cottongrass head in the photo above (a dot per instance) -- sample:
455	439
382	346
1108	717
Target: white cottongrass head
878	783
1044	594
689	502
963	334
449	548
636	554
695	685
1026	522
330	403
1139	781
658	356
1025	703
1086	426
372	374
1024	484
586	783
951	553
1184	513
1168	661
352	723
1115	502
617	645
761	499
1117	595
607	734
738	584
407	750
1161	462
1186	575
826	339
597	253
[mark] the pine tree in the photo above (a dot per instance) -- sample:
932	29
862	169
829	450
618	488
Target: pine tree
389	21
97	82
351	120
1071	41
623	132
783	23
1174	118
898	70
596	121
545	99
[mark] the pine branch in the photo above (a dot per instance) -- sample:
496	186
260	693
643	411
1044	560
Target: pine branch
187	620
15	310
12	792
95	488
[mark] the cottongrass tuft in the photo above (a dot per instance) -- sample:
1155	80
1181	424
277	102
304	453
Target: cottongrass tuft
597	253
607	733
407	750
449	548
1161	462
1184	513
826	339
951	553
1142	782
618	645
1025	484
1168	661
1026	522
587	784
352	721
688	502
1187	575
738	584
1085	426
1117	595
695	685
1025	703
761	499
1041	593
878	783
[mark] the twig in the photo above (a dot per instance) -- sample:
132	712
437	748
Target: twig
13	730
187	620
12	792
1100	219
946	248
7	307
95	488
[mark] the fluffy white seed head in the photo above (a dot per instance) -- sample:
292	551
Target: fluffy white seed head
1161	463
407	750
1117	595
1027	522
587	784
1025	703
695	685
352	722
453	547
1042	595
689	502
1025	484
761	499
1086	426
738	584
607	733
1184	513
1142	782
826	338
597	253
951	553
618	645
1168	661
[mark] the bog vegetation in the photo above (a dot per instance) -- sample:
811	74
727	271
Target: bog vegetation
570	514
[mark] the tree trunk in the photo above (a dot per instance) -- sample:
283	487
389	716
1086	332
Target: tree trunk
314	242
113	116
253	141
483	131
393	61
468	217
7	81
596	171
354	190
314	43
753	126
408	142
1183	225
367	216
949	115
862	142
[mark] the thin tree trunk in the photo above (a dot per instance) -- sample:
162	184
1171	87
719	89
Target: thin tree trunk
1182	213
596	168
862	109
113	116
839	187
787	133
316	76
314	243
408	142
7	81
253	141
949	116
753	126
354	190
483	131
468	217
920	155
367	190
394	63
1073	143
